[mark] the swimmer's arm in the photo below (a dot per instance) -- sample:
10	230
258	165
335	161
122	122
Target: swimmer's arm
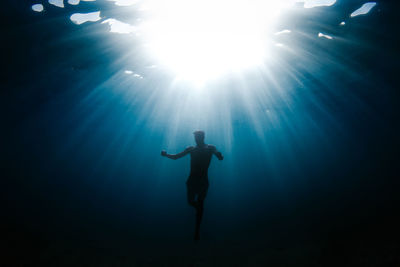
217	153
177	156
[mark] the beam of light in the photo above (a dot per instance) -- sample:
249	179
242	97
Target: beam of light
37	7
79	18
200	40
364	9
264	70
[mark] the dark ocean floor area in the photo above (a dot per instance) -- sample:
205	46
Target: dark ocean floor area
373	247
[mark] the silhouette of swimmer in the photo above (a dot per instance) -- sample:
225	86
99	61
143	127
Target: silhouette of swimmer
197	183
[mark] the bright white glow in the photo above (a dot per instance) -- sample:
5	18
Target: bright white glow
59	3
118	26
136	75
364	9
124	2
282	32
200	40
342	23
325	36
73	2
316	3
79	18
37	7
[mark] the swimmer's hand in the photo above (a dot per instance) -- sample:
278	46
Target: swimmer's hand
175	156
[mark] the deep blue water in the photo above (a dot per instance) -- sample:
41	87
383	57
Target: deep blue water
311	155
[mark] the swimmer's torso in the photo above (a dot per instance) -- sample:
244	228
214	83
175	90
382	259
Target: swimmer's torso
200	158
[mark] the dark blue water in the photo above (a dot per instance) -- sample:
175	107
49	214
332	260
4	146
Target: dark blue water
310	145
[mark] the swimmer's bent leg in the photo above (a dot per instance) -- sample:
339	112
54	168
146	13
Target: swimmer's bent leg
191	194
193	190
199	216
201	192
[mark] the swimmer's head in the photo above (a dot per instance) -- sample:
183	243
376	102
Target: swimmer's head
199	137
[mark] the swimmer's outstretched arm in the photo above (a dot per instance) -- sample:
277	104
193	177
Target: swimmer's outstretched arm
177	156
217	153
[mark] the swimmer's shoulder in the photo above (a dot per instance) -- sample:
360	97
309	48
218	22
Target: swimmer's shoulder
189	149
211	147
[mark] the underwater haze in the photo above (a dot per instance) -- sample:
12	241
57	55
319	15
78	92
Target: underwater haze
300	97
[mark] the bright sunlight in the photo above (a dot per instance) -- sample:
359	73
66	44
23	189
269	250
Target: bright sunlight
201	40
